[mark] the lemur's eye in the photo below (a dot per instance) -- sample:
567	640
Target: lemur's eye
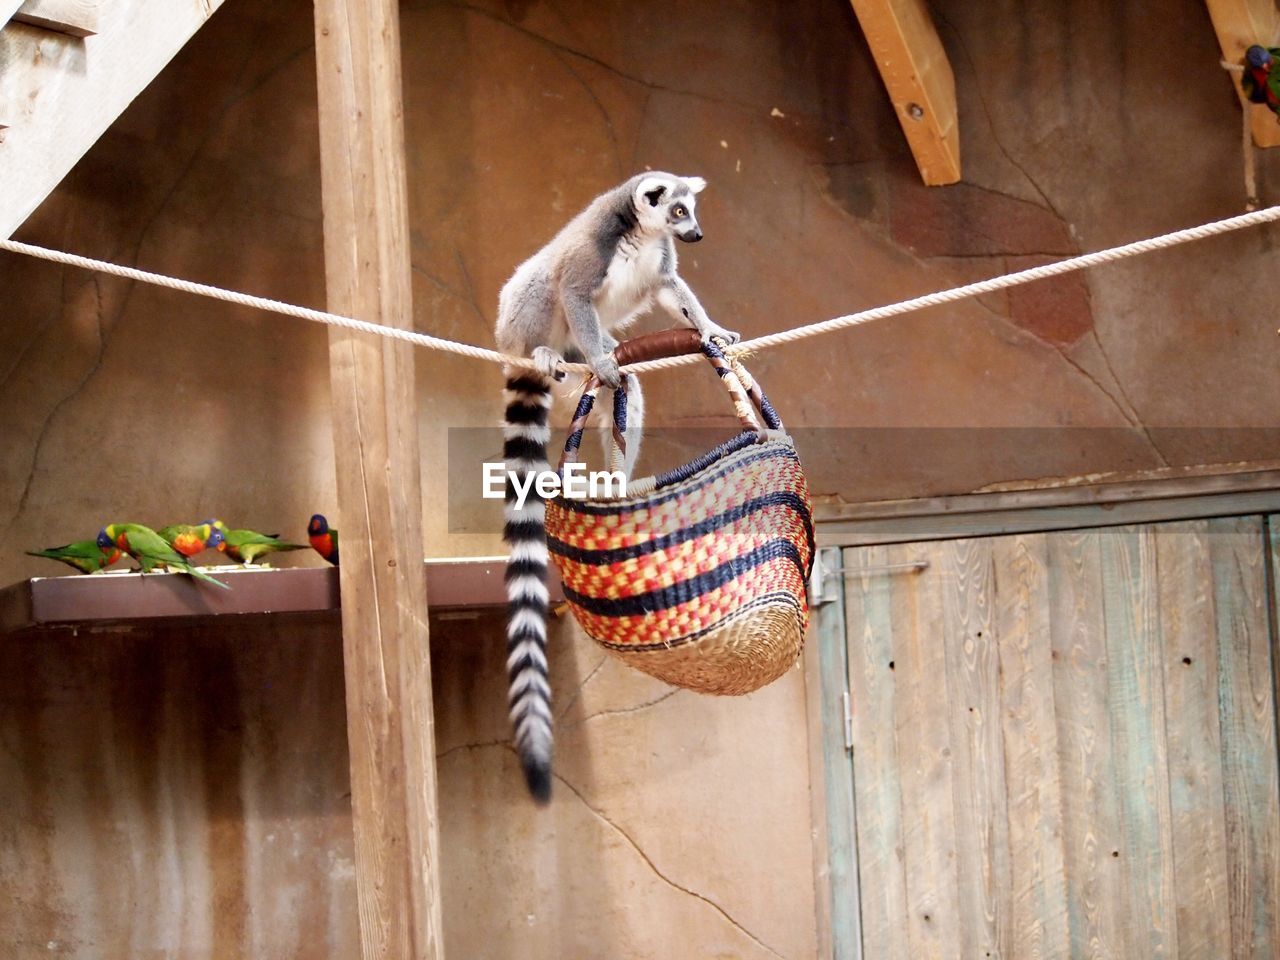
680	211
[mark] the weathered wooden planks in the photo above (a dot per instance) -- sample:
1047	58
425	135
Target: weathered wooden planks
925	758
1028	729
878	792
966	577
833	811
1122	802
1097	925
1191	682
1247	716
1135	680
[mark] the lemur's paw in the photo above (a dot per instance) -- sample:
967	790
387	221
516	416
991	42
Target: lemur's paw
548	362
730	336
606	368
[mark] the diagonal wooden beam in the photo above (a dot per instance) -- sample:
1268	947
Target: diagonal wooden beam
390	730
1239	24
78	18
917	73
7	9
58	94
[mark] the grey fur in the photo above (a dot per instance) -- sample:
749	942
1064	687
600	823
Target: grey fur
609	264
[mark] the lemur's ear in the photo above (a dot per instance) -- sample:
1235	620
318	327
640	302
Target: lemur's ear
652	190
696	184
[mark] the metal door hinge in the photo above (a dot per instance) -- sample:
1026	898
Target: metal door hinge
848	720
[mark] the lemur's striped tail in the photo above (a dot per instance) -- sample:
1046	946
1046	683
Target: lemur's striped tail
525	438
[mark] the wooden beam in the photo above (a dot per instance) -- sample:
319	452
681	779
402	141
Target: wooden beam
78	18
1023	511
918	75
1239	24
7	9
58	94
384	605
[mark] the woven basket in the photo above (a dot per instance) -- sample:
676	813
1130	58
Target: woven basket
697	576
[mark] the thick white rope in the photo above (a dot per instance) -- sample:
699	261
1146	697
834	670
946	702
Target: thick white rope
1069	265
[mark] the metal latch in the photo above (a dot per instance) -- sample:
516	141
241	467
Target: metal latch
829	573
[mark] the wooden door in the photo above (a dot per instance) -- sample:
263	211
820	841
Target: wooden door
1064	745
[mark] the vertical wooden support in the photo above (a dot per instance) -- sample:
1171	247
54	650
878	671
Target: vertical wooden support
384	603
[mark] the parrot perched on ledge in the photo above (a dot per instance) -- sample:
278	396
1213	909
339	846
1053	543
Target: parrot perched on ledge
149	549
191	538
324	539
84	555
245	546
1261	82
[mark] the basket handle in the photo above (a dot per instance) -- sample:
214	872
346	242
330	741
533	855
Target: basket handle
744	392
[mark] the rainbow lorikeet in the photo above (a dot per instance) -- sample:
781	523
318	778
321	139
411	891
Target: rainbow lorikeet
245	546
1260	82
324	539
191	538
149	549
84	555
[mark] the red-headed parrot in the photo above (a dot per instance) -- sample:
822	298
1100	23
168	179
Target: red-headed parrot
245	546
149	549
191	538
84	555
324	539
1261	83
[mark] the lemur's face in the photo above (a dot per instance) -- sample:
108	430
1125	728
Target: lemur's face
668	203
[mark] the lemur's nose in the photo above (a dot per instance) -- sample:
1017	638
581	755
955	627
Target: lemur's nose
693	236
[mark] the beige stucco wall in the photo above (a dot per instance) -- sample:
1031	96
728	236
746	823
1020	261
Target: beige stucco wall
680	827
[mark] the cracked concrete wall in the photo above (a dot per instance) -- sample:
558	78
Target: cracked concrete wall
1083	125
170	791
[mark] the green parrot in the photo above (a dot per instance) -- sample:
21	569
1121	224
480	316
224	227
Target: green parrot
191	538
149	549
245	546
85	555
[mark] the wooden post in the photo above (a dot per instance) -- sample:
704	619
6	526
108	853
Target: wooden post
384	604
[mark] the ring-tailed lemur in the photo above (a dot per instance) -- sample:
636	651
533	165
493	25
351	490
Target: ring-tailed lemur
611	263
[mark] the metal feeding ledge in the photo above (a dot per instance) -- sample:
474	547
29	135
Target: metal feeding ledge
452	584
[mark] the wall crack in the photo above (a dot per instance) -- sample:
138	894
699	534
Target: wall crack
662	876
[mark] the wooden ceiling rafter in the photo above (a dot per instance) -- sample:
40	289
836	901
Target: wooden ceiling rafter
915	69
1239	24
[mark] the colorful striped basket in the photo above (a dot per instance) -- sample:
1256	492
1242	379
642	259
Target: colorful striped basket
696	576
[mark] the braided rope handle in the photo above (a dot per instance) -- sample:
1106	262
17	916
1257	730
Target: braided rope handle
744	392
